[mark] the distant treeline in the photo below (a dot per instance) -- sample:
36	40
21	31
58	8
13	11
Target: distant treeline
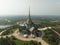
14	19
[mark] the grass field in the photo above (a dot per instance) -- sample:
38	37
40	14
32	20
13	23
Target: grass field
51	37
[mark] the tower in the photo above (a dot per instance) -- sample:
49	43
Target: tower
29	21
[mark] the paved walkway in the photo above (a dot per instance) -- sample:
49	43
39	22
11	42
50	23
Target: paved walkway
20	37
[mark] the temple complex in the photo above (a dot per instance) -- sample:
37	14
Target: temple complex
28	28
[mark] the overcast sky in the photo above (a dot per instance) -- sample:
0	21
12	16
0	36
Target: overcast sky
38	7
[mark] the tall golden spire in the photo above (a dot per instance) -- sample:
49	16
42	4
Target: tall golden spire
29	14
29	10
29	21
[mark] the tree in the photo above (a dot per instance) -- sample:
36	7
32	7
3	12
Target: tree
39	43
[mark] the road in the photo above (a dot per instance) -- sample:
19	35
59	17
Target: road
20	37
56	33
2	32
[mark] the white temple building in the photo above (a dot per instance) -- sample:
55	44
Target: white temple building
28	27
